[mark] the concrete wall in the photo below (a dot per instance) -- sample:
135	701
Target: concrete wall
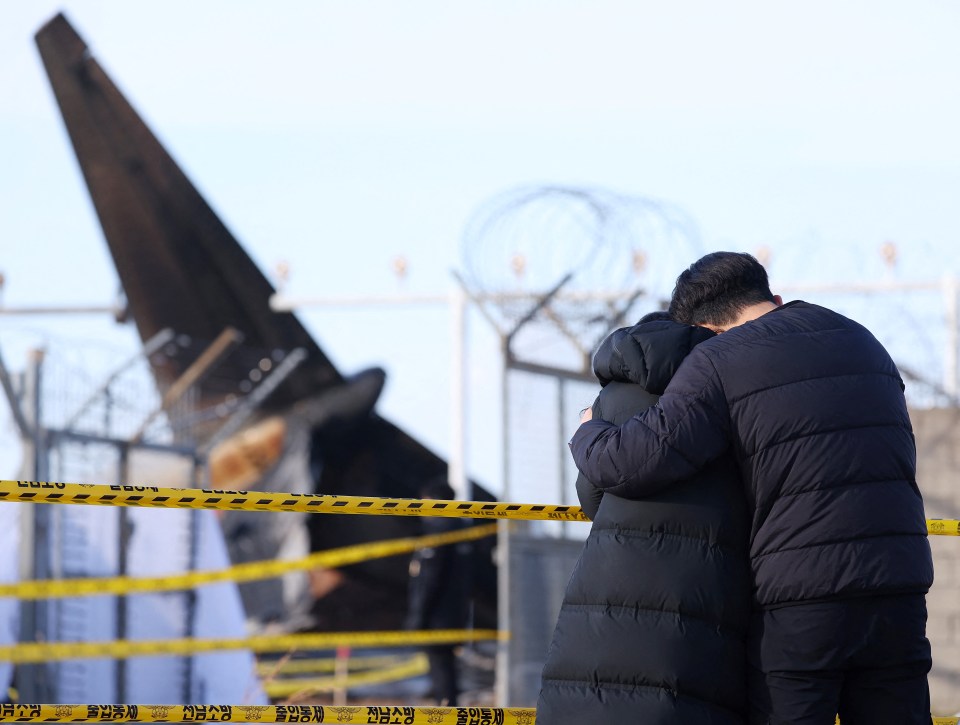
938	474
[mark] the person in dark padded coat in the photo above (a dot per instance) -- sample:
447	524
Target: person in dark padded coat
654	621
811	407
439	594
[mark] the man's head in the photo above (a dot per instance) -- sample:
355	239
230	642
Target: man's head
721	289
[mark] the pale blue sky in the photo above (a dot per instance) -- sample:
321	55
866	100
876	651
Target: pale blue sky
337	135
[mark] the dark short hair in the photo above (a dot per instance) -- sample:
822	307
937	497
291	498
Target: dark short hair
717	287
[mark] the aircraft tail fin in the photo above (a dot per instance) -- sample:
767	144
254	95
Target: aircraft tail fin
179	265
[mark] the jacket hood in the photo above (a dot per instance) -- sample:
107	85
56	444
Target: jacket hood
647	354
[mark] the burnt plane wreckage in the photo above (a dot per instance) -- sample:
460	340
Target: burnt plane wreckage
315	431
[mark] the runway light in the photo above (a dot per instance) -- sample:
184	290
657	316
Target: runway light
889	253
399	266
518	263
281	273
639	261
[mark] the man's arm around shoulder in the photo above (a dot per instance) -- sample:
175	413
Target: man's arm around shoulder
669	442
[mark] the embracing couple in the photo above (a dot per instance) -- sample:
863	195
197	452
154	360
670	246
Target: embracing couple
759	549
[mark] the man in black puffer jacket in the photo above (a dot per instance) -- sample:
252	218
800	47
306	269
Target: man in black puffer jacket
653	624
812	408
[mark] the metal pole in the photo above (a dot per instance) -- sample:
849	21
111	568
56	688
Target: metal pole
504	680
502	684
562	450
281	303
189	669
75	310
191	603
456	472
124	534
34	680
951	383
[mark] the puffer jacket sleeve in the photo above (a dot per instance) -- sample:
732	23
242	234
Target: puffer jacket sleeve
688	428
589	495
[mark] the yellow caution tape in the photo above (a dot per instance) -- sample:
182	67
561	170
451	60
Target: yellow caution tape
933	719
943	527
345	715
330	559
25	652
325	664
158	497
301	688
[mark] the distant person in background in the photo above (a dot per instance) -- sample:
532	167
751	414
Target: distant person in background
811	407
653	625
439	594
